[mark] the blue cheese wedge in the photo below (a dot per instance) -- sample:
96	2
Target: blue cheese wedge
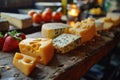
52	30
66	42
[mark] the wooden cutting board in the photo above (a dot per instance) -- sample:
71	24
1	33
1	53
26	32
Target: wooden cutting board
70	66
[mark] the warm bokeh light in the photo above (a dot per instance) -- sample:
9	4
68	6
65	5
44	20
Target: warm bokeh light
73	10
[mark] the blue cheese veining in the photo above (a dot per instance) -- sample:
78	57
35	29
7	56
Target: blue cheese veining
52	30
66	42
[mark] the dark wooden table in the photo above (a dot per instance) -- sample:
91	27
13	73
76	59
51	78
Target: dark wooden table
71	66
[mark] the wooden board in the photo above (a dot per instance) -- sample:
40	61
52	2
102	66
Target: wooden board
70	66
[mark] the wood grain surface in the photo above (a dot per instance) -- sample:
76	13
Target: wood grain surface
70	66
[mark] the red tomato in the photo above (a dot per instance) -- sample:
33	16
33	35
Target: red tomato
31	12
47	16
48	10
56	16
37	18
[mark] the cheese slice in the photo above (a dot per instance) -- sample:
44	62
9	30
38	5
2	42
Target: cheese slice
108	23
20	21
52	30
115	18
24	63
86	29
40	48
66	42
4	25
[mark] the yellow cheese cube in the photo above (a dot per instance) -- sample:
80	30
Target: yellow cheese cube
24	63
41	48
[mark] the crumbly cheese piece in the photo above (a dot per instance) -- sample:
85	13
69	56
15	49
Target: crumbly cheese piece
52	30
24	63
66	42
86	29
40	48
17	20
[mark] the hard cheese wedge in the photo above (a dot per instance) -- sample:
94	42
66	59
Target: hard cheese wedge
18	20
40	48
86	29
4	25
52	30
24	63
108	23
66	42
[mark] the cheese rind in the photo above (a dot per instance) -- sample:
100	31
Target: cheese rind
52	30
86	29
40	48
24	63
4	25
66	42
18	20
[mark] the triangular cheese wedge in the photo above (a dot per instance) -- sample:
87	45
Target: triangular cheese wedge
18	20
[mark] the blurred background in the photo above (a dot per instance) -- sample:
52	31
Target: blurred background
106	69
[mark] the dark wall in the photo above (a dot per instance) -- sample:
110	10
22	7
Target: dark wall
47	0
6	5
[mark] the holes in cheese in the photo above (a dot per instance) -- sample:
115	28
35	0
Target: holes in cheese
24	63
19	56
27	60
40	48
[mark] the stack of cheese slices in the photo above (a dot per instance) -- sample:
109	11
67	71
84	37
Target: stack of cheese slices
59	37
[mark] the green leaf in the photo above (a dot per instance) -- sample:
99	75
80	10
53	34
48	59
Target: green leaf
12	33
1	35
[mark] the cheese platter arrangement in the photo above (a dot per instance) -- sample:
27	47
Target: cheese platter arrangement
57	50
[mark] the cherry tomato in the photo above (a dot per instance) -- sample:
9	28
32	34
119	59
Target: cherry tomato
56	16
48	10
37	18
47	16
31	12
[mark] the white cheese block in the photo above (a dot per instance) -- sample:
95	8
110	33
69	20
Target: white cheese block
52	30
18	20
99	25
115	17
66	42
